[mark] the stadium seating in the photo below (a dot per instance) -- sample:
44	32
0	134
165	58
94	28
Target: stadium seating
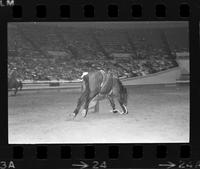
46	53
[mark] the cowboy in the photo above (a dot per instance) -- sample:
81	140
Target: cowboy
13	73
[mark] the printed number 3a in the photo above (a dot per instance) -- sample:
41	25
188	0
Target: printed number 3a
4	164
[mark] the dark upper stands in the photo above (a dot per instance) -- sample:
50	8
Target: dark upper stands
52	52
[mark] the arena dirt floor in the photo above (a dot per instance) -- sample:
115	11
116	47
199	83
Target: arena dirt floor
157	113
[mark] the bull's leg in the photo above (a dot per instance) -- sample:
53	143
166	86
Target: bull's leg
123	106
112	103
87	102
81	100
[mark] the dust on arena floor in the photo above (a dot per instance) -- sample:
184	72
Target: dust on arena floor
157	113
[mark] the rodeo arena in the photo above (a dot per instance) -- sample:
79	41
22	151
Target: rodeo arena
98	82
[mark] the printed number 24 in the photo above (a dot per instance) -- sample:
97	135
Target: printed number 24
97	165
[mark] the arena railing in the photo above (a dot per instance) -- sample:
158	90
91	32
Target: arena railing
76	84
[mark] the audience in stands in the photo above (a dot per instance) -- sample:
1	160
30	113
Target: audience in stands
33	62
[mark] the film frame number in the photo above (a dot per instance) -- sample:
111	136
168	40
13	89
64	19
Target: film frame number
189	164
93	165
7	164
97	165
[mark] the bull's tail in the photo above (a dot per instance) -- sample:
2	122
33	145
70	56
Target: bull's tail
123	93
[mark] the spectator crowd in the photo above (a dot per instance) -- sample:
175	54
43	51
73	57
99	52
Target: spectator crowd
30	53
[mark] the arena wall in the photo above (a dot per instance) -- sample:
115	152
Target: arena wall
164	77
184	64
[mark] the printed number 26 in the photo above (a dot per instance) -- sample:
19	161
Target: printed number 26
97	165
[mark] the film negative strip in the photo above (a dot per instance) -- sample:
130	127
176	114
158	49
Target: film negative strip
99	84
